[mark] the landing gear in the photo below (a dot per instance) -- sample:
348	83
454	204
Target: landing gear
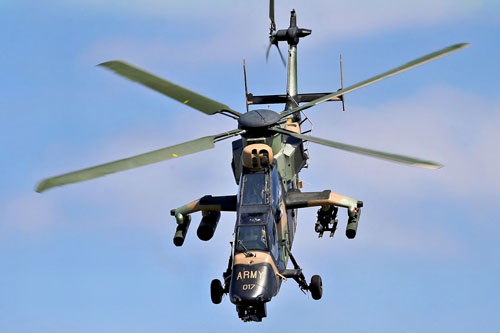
217	288
216	291
316	287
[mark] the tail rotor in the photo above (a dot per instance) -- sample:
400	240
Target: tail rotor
272	34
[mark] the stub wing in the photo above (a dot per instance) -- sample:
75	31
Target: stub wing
297	199
210	207
327	214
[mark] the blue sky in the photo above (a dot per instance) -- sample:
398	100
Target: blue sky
99	255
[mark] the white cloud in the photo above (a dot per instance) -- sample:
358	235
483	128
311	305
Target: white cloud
156	8
438	124
233	30
28	213
383	228
346	19
403	204
142	198
454	128
349	16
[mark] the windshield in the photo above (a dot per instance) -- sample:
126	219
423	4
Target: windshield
251	238
253	218
254	189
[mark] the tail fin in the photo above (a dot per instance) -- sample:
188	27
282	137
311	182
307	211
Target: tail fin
341	84
246	87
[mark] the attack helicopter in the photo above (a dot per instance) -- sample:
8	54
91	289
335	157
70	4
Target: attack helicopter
266	162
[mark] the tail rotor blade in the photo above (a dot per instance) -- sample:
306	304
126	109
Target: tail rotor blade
281	55
279	50
271	15
272	30
267	51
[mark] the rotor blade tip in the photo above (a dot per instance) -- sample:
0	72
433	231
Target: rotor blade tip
430	165
109	64
459	46
104	64
40	187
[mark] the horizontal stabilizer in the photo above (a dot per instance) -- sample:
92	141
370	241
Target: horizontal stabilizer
279	99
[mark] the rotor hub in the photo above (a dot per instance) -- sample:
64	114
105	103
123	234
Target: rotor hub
258	120
291	35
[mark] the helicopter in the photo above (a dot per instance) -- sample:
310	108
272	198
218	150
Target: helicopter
266	161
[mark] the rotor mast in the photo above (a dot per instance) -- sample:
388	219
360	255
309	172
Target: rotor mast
291	78
292	36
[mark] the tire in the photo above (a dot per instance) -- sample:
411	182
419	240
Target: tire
216	291
316	287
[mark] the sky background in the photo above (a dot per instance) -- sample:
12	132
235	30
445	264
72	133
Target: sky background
98	256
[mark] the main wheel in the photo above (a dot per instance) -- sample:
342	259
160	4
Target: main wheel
316	287
216	291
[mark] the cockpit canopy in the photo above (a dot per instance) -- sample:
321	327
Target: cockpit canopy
253	218
254	189
251	237
256	225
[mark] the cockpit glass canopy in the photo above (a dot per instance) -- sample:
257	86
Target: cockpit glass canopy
254	189
251	237
253	218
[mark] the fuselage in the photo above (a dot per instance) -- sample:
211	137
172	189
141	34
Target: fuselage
261	227
264	229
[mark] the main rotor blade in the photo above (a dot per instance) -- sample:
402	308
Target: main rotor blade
186	148
181	94
397	70
363	151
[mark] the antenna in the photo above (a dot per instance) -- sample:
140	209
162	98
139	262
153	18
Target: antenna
341	83
246	87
